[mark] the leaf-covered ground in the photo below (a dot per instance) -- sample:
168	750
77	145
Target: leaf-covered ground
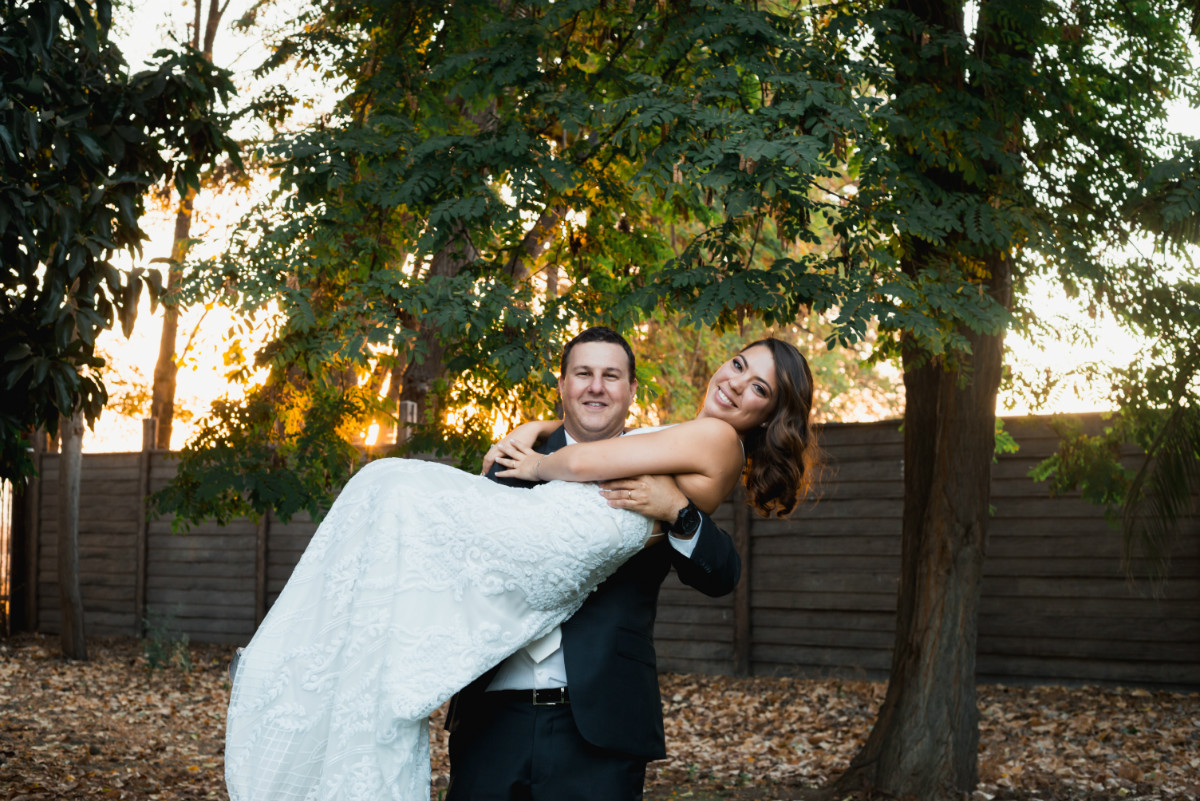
110	728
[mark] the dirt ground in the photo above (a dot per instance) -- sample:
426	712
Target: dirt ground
111	728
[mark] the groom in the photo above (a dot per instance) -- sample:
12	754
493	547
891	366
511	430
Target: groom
576	715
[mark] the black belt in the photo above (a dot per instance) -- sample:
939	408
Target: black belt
549	696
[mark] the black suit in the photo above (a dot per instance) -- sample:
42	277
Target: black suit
608	645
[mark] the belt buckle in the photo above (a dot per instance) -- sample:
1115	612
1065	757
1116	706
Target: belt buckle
553	701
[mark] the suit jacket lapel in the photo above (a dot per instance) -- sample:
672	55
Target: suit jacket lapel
558	439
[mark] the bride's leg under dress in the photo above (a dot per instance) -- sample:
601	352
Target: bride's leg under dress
420	578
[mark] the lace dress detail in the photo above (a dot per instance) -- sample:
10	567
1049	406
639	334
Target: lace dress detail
420	579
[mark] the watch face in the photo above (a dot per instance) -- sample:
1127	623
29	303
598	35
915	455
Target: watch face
689	518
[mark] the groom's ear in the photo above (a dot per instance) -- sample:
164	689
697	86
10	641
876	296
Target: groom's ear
632	395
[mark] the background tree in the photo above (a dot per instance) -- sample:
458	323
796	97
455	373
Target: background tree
1007	150
204	28
80	142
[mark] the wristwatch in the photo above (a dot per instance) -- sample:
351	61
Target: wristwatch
685	523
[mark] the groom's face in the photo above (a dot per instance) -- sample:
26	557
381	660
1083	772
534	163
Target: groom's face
596	391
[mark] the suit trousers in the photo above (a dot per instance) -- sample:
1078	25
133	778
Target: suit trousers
511	750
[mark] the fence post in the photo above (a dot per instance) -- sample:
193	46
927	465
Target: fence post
741	593
142	542
32	522
406	419
260	567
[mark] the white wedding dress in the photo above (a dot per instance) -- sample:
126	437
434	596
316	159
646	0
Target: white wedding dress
420	578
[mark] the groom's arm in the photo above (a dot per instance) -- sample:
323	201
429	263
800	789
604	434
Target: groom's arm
714	566
704	557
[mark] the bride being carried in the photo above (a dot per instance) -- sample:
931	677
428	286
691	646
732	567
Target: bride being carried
422	578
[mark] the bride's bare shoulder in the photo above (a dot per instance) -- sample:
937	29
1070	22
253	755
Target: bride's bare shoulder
709	430
708	427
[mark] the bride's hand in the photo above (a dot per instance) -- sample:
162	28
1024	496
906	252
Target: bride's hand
526	434
656	497
492	454
520	462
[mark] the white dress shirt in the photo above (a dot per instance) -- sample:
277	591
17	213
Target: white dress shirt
522	672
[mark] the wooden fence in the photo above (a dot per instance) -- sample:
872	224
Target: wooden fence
818	594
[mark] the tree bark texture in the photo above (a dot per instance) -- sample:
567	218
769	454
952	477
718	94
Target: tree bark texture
925	740
70	596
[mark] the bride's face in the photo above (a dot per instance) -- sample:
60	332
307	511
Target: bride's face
742	392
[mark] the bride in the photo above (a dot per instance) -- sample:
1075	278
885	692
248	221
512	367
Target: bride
422	577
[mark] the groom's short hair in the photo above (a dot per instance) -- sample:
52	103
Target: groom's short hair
598	333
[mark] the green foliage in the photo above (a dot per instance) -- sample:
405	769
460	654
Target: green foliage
1168	199
1086	462
80	142
267	454
163	645
1005	443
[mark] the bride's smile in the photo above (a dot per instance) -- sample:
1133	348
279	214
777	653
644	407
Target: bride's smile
742	391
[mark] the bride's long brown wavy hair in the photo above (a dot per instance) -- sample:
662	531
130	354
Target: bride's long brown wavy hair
782	456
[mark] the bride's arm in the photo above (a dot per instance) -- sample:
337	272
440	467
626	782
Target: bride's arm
703	447
526	435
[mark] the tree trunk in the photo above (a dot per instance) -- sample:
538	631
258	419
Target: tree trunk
926	737
70	596
162	404
925	741
427	358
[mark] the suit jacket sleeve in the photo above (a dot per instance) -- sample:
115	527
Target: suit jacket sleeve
714	566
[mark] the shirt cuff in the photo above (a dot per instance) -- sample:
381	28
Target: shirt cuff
685	545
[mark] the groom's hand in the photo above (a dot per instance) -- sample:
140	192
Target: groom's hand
656	497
